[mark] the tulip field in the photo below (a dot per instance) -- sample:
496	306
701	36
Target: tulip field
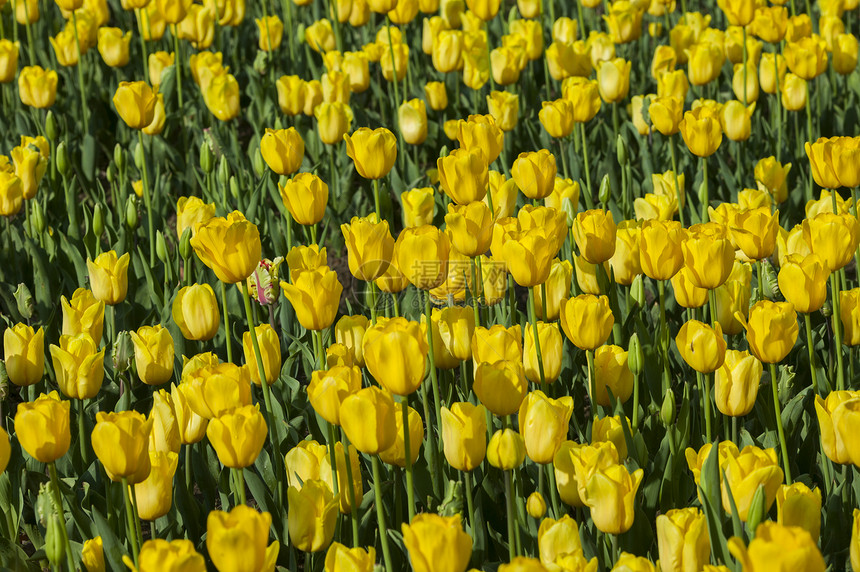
429	285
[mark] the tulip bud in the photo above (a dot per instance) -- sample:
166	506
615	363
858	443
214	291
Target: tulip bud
452	504
160	247
123	352
261	63
131	218
119	157
38	217
635	359
110	173
536	506
139	157
207	158
44	504
234	187
24	299
4	381
54	547
621	150
98	221
758	508
51	126
667	410
63	159
637	291
185	248
605	191
223	172
257	162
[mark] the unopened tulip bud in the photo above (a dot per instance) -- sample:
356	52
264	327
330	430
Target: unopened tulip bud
185	248
119	157
635	358
110	173
63	159
207	158
139	157
51	126
223	172
258	163
160	247
98	221
234	188
667	410
621	151
758	508
25	302
54	547
605	191
38	217
123	352
131	218
637	291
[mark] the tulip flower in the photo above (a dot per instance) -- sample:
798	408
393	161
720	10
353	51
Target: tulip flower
238	437
24	353
195	312
500	386
610	430
463	175
283	150
120	441
745	472
587	320
557	537
437	543
436	95
543	425
315	295
613	79
833	237
464	435
164	436
329	388
37	87
11	194
534	173
370	247
305	196
221	97
215	390
771	330
660	249
373	151
191	210
610	493
612	374
844	52
412	119
683	540
422	256
594	232
42	427
536	505
153	354
701	131
557	117
504	108
696	459
229	246
367	417
79	366
174	556
339	558
506	450
237	540
135	103
799	506
190	426
155	493
113	46
418	206
806	57
396	453
528	256
469	228
497	343
702	347
109	277
777	546
93	556
481	132
550	344
803	282
736	383
395	352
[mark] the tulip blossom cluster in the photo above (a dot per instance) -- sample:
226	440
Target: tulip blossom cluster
429	285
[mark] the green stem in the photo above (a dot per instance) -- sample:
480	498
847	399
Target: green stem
350	490
376	198
664	336
332	453
553	492
705	200
226	323
380	514
240	485
774	384
140	15
136	511
474	289
129	520
177	65
592	382
470	503
635	401
589	201
81	85
434	382
509	508
760	276
58	506
147	200
407	449
778	106
677	184
837	330
811	139
535	334
82	434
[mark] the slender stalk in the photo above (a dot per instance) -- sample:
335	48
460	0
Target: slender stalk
147	200
130	532
760	276
592	382
509	509
436	468
82	434
240	484
474	289
677	184
470	503
664	335
778	106
535	334
376	198
837	331
589	201
774	384
407	449
811	139
380	514
553	492
58	506
332	453
136	512
178	66
705	200
635	401
226	323
144	57
811	347
350	491
80	66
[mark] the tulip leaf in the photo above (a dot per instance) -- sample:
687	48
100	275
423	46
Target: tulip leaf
737	527
113	550
13	558
41	279
74	255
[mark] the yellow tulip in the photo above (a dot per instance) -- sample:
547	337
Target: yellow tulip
551	345
543	425
153	354
683	540
195	312
504	108
436	95
806	57
464	175
701	131
42	427
24	353
594	232
803	282
437	543
83	314
534	173
418	206
238	436
191	427
37	87
315	296
270	350
612	374
736	383
402	370
350	331
587	320
215	390
776	546
373	151
464	435
229	246
109	277
305	196
745	472
660	249
190	211
610	493
237	540
367	417
422	256
370	247
799	506
113	46
93	556
412	119
613	79
283	150
702	347
155	493
135	103
78	365
120	441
